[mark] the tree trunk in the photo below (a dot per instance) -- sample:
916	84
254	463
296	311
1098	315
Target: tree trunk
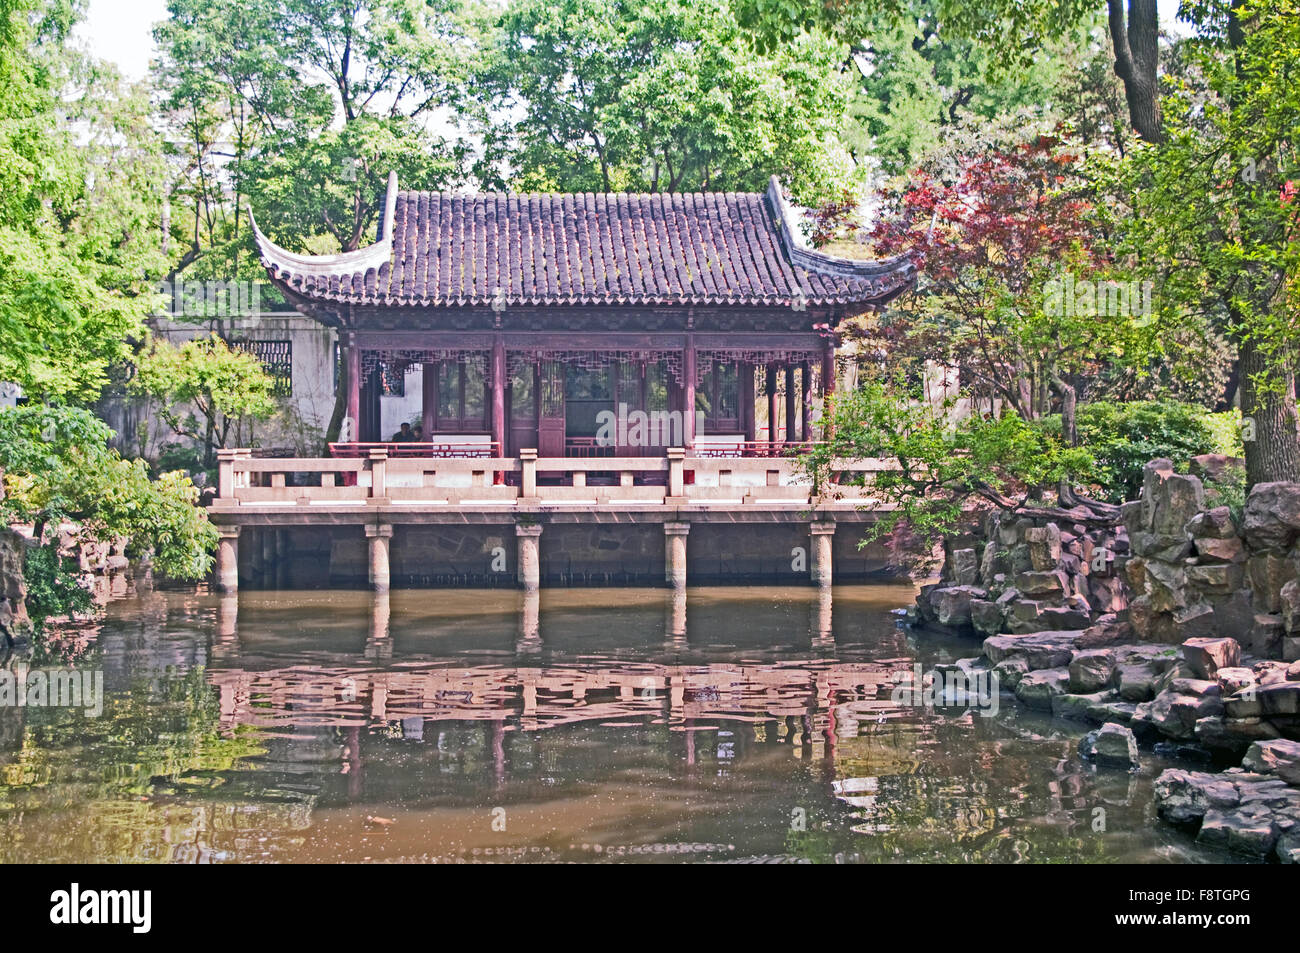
340	404
1137	62
1269	426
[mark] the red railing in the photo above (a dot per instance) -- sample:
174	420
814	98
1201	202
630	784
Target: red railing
449	450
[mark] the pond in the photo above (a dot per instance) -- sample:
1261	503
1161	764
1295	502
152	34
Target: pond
593	725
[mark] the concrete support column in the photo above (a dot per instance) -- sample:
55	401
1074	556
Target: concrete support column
823	536
675	554
380	536
227	576
529	539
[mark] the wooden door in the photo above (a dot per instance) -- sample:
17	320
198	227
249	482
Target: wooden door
550	409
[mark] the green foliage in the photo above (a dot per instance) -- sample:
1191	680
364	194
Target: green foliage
53	585
614	95
223	385
937	469
1122	438
58	467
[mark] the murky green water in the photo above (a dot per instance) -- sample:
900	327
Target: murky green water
591	725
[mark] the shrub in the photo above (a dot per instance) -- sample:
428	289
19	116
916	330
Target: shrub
1124	437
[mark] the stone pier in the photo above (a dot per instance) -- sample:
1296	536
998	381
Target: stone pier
821	564
379	535
530	556
675	554
227	573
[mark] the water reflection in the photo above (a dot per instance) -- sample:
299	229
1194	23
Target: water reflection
586	723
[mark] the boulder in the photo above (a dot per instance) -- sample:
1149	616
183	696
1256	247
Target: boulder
1091	670
1215	523
1279	698
1266	637
986	617
1271	519
1010	671
1275	756
1216	578
1184	797
1267	574
1076	707
1040	650
1233	679
1214	466
965	566
1110	745
952	604
1289	597
1044	546
1250	829
1175	714
1231	550
1037	688
1206	656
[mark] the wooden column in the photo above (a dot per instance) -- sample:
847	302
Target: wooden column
352	373
806	397
688	391
747	400
789	404
429	391
771	403
828	389
499	393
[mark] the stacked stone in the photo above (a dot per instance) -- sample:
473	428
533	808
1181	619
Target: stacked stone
1195	573
1028	575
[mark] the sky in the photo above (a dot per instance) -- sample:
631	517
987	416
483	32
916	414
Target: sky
121	30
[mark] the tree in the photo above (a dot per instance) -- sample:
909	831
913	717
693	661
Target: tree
1210	212
224	386
611	95
937	469
58	467
1015	31
1015	292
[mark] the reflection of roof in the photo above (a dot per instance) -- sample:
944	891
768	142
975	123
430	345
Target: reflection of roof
438	249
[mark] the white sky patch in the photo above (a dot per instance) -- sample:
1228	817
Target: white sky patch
121	31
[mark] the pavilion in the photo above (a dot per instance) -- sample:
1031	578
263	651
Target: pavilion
535	314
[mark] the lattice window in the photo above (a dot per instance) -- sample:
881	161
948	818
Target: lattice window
276	358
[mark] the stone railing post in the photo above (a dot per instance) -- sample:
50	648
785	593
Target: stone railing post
226	474
378	475
676	472
528	473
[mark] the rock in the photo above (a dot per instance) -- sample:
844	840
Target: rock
1037	688
1234	679
986	617
1009	671
1243	704
1247	830
1077	707
965	566
952	604
1289	597
1217	578
1040	650
1271	520
1091	670
1166	585
1206	656
1107	594
1266	635
1267	574
1036	583
1135	681
1110	745
1044	544
1194	620
1234	616
1288	846
1275	756
1170	499
1212	524
1112	710
1231	550
1232	734
1214	466
1174	714
1279	698
1291	649
1293	672
1184	797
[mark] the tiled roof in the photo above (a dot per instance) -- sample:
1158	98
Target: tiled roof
708	248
